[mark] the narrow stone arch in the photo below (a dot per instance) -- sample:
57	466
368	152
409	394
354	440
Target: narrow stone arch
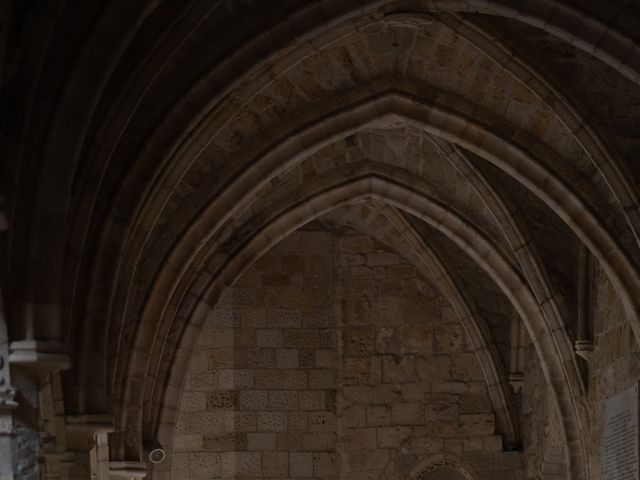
440	123
449	223
443	467
574	26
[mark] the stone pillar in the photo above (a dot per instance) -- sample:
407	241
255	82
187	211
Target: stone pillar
127	470
517	356
39	365
87	447
7	405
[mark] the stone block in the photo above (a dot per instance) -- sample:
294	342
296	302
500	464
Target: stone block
269	338
436	368
236	378
445	428
382	258
378	415
198	422
477	424
398	370
187	442
222	318
356	244
326	358
221	399
307	357
351	259
356	311
449	338
180	465
328	338
283	400
450	387
392	437
408	413
207	380
440	411
298	421
358	393
360	439
253	399
225	358
322	378
225	441
359	286
358	341
296	297
275	464
217	338
368	462
354	416
268	378
322	422
319	441
193	401
272	421
387	310
472	444
204	464
238	464
271	279
391	286
351	273
312	400
283	318
301	464
293	263
295	379
318	264
401	271
465	367
287	358
326	464
240	421
417	338
252	318
261	441
301	338
289	442
241	296
361	370
475	404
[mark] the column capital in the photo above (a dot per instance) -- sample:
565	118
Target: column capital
81	430
40	356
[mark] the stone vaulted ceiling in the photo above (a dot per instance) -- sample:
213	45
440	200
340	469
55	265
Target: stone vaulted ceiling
157	149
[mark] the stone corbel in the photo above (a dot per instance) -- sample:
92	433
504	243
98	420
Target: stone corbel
584	349
516	380
517	357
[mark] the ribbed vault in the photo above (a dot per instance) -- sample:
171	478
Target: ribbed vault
159	149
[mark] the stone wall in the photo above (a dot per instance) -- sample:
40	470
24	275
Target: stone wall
542	435
333	357
615	363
